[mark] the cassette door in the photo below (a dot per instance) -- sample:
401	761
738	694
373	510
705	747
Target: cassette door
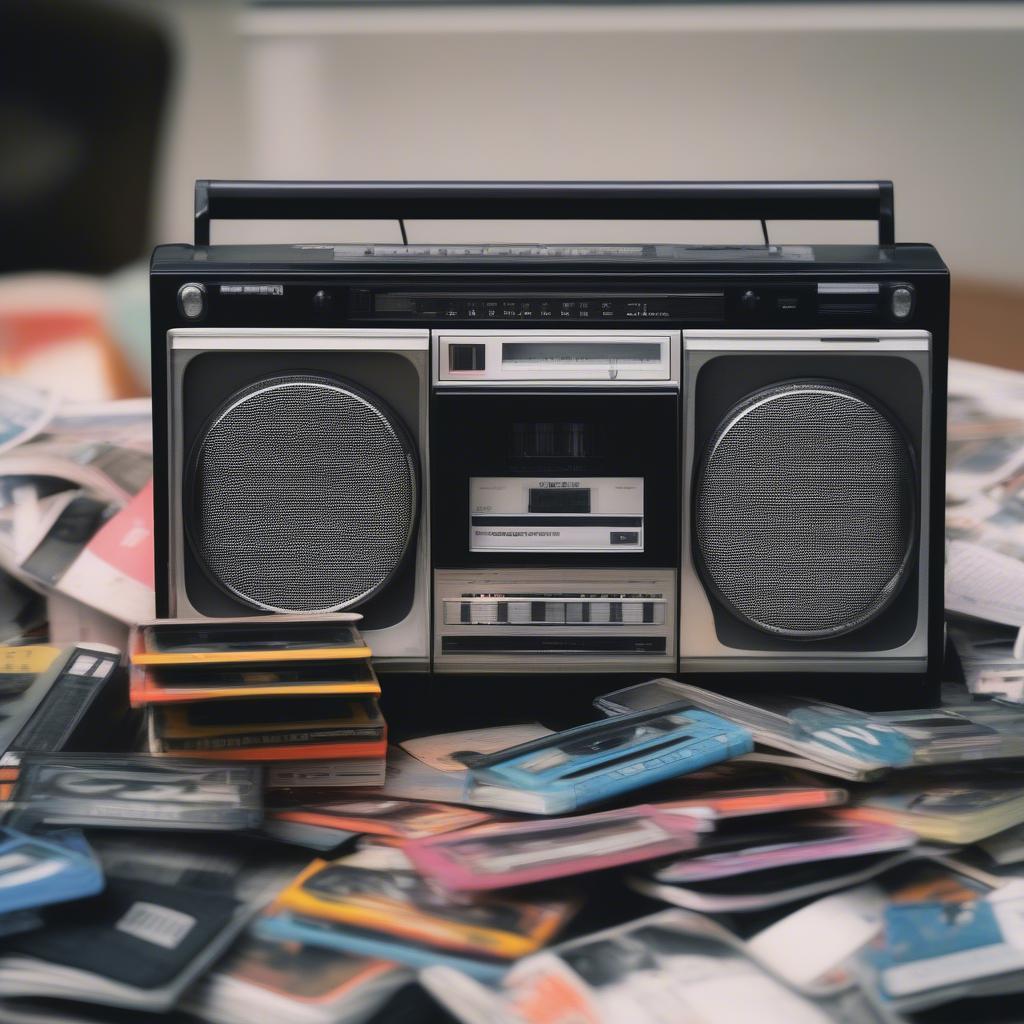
806	501
297	468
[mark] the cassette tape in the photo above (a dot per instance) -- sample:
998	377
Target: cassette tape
174	684
581	766
136	791
268	728
243	641
54	698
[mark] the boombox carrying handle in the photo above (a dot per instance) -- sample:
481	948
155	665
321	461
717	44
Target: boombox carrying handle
545	200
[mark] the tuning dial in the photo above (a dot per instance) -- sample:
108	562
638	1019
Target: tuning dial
192	301
750	300
901	302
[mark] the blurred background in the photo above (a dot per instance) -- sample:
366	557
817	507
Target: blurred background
110	109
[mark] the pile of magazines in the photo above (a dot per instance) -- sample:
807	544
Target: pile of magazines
76	519
985	527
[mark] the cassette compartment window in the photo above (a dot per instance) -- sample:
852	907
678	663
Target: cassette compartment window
583	479
638	353
491	357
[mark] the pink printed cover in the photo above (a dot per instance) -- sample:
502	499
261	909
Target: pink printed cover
126	542
852	838
115	572
497	856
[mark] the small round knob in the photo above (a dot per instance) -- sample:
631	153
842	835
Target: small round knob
750	300
322	301
901	302
192	301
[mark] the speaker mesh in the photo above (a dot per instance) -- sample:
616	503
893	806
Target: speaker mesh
304	494
805	510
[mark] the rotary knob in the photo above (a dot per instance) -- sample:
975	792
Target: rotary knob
192	301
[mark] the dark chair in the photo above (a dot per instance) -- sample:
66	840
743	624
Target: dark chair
83	87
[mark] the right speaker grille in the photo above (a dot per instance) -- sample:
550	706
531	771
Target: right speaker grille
805	510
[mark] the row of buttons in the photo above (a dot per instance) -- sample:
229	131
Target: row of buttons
553	613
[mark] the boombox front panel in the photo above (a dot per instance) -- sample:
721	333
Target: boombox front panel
824	568
378	304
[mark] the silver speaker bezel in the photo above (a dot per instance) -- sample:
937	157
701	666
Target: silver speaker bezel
700	648
404	646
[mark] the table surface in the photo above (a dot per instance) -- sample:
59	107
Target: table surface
986	322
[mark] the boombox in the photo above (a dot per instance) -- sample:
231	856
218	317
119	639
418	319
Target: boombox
706	460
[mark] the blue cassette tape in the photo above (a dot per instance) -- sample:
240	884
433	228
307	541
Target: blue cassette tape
580	766
39	870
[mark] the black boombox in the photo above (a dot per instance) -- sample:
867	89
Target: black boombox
706	460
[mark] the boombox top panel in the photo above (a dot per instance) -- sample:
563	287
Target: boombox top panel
546	259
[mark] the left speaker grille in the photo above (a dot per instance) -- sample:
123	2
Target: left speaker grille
302	494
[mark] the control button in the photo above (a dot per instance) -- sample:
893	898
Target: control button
322	301
787	303
519	613
632	612
192	301
902	303
482	614
750	300
625	537
465	358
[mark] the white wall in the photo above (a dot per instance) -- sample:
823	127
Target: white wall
931	96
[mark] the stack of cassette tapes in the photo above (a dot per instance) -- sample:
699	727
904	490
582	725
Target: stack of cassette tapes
297	694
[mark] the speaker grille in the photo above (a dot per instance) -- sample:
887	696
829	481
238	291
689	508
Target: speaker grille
805	510
304	493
